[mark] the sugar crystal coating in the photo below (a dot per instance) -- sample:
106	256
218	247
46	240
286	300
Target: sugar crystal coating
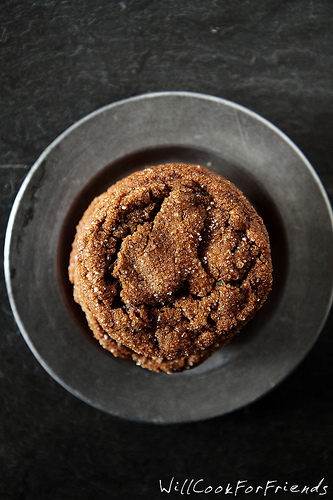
169	264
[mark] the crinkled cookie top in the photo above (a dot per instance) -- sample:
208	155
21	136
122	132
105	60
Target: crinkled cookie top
169	264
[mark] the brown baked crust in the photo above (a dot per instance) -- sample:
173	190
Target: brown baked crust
169	264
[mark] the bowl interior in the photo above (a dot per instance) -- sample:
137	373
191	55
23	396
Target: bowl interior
248	184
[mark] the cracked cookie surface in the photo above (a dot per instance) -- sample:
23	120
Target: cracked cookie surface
169	264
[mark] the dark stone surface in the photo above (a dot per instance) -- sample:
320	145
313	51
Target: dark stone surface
61	60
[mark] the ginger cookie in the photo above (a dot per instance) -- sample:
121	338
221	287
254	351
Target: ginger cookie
169	264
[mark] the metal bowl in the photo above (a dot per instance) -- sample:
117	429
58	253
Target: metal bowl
109	144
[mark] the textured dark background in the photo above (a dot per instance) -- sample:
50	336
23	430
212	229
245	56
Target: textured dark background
63	59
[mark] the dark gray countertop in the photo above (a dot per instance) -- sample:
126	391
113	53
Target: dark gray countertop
62	60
